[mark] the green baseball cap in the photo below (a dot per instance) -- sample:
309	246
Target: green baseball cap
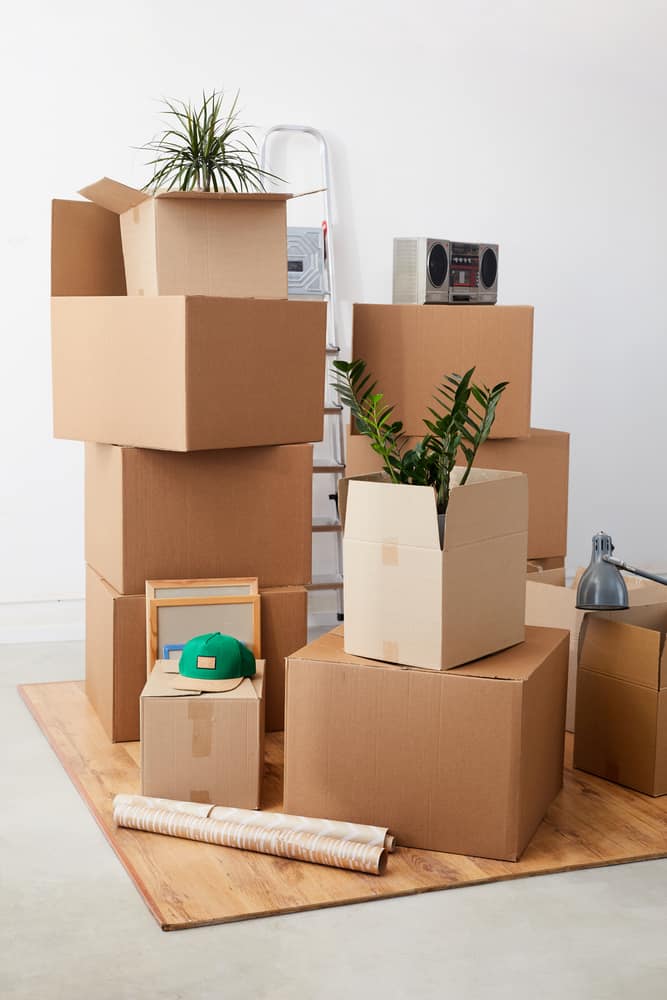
213	662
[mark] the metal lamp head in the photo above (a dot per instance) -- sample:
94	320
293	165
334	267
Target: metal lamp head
602	588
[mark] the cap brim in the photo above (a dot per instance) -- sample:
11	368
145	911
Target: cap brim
207	685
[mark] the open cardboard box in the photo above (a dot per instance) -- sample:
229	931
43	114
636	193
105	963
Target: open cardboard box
465	761
410	599
201	747
621	714
552	604
544	456
193	242
409	348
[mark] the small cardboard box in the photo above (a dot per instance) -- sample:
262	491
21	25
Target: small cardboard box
409	348
410	600
187	242
116	652
621	715
553	605
465	761
156	515
187	374
544	456
203	747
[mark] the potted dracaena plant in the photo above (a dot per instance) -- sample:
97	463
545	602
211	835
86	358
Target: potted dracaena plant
205	148
459	422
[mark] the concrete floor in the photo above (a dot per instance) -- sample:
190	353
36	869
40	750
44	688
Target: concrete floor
72	925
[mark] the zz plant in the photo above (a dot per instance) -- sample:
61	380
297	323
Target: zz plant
460	419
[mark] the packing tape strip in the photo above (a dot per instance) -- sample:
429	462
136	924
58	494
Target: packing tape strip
389	553
297	845
360	833
200	712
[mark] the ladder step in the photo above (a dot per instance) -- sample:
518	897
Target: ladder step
331	411
326	524
325	583
327	466
332	350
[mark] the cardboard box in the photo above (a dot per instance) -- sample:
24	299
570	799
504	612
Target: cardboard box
184	242
621	717
547	570
155	515
187	374
553	605
115	656
116	651
544	457
410	601
466	761
203	747
409	348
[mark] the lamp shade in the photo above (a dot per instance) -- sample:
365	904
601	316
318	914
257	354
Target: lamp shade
602	588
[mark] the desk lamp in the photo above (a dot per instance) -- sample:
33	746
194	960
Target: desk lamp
602	588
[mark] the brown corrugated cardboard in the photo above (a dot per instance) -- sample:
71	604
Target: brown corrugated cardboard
284	630
87	257
187	374
163	515
115	656
116	651
553	605
203	747
409	348
544	457
465	761
548	573
190	243
621	714
409	601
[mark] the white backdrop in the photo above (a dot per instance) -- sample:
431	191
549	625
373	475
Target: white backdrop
536	125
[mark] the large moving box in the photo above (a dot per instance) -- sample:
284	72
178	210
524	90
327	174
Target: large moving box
156	515
544	456
203	747
187	373
621	719
116	651
175	242
414	600
465	761
409	348
554	606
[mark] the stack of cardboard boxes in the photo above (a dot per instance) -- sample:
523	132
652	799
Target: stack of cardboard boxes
378	727
196	386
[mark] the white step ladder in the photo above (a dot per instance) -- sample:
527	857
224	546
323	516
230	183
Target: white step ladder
332	466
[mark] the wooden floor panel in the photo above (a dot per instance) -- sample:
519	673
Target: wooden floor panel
185	884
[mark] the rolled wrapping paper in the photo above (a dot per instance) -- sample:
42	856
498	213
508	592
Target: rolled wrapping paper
283	843
360	833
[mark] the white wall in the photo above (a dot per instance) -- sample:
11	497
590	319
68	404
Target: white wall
536	124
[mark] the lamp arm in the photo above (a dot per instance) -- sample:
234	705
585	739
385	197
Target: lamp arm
633	569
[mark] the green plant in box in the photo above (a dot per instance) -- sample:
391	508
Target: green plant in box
460	420
206	148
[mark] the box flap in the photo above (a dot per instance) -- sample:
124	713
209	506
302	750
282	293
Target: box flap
391	514
157	685
619	649
234	195
86	251
113	195
492	503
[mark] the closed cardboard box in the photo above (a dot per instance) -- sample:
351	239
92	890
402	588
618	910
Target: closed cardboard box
409	348
181	242
553	605
187	374
203	747
411	599
155	515
544	456
116	651
621	716
465	761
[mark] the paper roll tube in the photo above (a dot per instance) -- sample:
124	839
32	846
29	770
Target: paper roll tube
297	845
360	833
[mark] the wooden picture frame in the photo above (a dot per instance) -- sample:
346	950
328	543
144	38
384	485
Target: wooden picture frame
230	605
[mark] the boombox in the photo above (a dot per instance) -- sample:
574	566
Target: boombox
432	271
